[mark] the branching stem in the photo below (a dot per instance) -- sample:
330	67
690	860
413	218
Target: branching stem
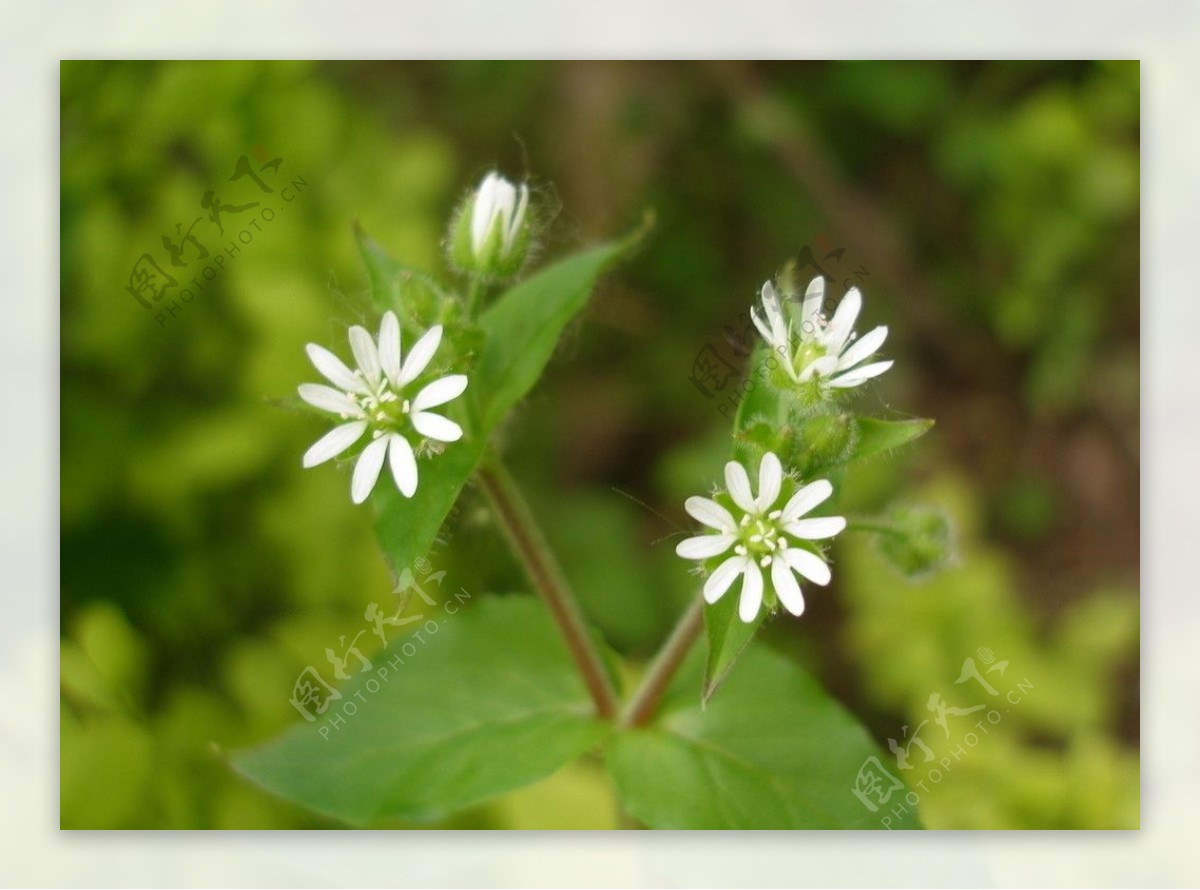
531	548
646	700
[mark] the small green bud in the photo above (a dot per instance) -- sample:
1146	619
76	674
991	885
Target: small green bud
759	436
491	232
824	440
919	541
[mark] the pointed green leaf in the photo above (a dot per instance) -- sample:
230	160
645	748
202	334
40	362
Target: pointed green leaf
487	703
760	402
523	326
875	436
728	636
773	751
407	527
403	289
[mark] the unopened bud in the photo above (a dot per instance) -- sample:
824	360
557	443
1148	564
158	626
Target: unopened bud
824	441
919	542
490	235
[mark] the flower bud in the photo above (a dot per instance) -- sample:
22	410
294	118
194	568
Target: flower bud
490	235
825	440
919	542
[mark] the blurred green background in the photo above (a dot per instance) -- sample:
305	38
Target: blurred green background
990	212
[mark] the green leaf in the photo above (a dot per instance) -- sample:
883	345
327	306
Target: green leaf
728	636
760	402
875	436
407	527
754	431
487	703
523	326
774	751
390	281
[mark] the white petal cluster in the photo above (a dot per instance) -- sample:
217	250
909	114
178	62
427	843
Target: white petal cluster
760	537
812	346
498	203
372	398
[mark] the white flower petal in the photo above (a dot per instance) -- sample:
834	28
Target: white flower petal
814	295
843	321
805	499
821	367
389	347
334	442
704	546
517	217
815	529
366	471
710	513
434	426
752	592
857	376
483	210
440	391
763	328
785	359
786	587
332	368
863	348
807	564
329	399
403	463
362	345
771	305
718	582
738	485
770	480
421	354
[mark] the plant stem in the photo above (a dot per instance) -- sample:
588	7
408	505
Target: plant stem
872	525
530	546
666	663
475	291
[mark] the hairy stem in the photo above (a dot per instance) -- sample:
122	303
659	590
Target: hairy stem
873	525
666	663
530	546
475	292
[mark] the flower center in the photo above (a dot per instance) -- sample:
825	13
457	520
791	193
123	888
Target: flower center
759	538
808	351
383	407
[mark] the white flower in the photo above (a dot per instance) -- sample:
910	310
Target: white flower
812	346
498	203
759	536
372	397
